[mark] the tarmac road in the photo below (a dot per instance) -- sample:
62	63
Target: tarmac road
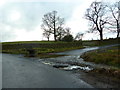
21	72
0	71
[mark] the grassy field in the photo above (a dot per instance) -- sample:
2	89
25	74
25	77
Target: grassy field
45	47
100	43
84	42
41	48
27	42
109	56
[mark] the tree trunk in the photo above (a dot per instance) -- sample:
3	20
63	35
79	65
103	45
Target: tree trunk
101	35
54	29
118	29
118	33
55	35
48	39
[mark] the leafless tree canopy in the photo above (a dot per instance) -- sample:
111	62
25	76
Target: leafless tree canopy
52	24
79	36
46	32
115	19
97	16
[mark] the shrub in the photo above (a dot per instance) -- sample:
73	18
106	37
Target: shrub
68	38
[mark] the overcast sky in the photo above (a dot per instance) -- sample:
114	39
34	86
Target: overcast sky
20	20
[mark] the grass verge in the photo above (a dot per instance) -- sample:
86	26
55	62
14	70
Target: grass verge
109	56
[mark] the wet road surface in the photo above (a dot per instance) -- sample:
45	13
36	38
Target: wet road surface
0	71
73	61
21	72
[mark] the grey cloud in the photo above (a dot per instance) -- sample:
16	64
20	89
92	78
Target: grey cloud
30	15
6	34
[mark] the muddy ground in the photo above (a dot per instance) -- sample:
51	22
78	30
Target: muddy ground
98	80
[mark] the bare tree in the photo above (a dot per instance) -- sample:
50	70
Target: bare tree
63	32
67	31
46	31
60	34
119	16
115	19
79	36
53	22
96	14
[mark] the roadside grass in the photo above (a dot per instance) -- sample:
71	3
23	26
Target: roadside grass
109	56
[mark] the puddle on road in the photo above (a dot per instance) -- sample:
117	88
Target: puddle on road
48	63
68	67
77	67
